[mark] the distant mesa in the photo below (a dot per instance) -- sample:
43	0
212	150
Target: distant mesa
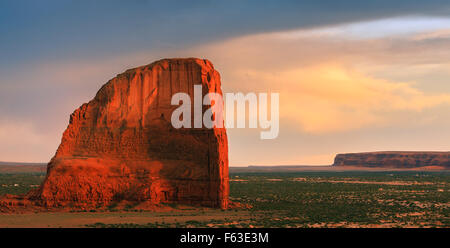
121	146
17	167
393	159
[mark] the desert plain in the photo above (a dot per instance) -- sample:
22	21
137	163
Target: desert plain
286	196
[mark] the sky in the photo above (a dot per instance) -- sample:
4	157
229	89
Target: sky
352	76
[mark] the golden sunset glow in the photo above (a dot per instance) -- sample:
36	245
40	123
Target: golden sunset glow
334	81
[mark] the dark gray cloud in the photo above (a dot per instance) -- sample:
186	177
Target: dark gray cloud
33	30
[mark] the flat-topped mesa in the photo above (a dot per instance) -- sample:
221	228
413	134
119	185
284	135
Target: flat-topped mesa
394	159
122	146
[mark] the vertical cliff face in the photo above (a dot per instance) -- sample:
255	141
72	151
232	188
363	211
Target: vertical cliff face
122	146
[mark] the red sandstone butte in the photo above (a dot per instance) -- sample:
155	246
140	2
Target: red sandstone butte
121	145
393	159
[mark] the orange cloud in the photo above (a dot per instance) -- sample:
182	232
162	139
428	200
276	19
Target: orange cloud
330	98
326	84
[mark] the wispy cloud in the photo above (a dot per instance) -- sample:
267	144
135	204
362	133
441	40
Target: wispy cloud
335	80
334	85
374	29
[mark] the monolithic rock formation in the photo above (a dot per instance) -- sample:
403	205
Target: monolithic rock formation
404	160
121	145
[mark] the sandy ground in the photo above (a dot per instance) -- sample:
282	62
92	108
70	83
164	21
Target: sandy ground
61	219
